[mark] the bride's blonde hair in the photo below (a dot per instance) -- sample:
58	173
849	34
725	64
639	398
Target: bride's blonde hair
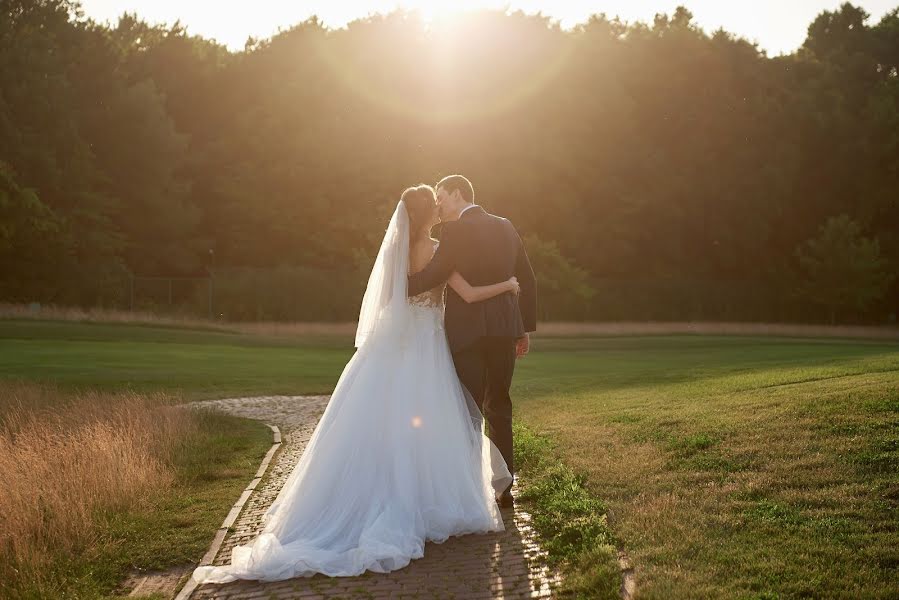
420	201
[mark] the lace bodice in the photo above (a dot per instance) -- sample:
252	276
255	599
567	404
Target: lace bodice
432	298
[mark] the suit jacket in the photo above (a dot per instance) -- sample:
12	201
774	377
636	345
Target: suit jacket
484	249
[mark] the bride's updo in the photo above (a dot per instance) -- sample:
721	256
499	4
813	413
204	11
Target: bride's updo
420	201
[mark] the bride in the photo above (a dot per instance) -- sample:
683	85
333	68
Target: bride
399	456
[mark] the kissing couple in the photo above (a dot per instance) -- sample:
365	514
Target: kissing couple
400	456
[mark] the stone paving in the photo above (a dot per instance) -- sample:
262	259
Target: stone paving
506	564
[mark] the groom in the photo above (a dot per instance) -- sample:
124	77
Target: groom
485	337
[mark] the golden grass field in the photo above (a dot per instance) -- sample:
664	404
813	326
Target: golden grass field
63	461
93	484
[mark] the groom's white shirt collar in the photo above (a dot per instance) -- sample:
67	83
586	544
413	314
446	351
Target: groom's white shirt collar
462	212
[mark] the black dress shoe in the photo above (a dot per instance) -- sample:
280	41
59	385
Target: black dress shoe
506	500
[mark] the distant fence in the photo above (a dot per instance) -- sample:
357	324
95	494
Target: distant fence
692	299
306	294
166	293
247	294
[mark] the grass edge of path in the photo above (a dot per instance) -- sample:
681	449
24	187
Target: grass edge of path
571	524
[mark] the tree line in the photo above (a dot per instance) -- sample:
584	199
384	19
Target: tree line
658	171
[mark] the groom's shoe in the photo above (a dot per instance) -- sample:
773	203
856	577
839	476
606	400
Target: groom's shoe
506	500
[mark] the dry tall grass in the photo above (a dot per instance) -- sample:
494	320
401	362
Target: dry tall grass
563	329
65	459
546	329
98	315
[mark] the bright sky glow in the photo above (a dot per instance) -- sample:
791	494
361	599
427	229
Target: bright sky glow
778	26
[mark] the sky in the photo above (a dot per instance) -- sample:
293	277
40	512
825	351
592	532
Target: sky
778	26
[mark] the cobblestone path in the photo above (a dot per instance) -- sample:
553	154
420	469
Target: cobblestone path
500	565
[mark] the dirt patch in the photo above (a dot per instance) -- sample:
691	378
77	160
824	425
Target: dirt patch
139	584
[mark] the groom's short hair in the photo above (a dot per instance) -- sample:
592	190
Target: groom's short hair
451	183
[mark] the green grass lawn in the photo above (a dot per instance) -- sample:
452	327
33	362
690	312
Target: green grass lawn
200	363
734	467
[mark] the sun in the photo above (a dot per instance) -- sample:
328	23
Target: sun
434	10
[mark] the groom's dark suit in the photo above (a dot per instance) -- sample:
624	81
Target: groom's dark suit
484	249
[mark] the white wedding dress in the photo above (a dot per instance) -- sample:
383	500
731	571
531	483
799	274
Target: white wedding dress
398	458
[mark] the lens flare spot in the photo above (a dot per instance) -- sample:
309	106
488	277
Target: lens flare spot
416	422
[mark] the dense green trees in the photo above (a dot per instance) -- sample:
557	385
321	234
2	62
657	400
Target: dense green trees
658	171
843	271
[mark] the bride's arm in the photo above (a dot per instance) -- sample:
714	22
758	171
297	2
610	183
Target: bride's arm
471	293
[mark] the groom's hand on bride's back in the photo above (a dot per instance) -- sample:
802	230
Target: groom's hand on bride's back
522	346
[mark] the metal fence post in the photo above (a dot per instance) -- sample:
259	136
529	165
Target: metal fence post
211	284
211	293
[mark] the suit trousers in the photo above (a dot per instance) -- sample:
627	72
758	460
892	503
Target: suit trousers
485	368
